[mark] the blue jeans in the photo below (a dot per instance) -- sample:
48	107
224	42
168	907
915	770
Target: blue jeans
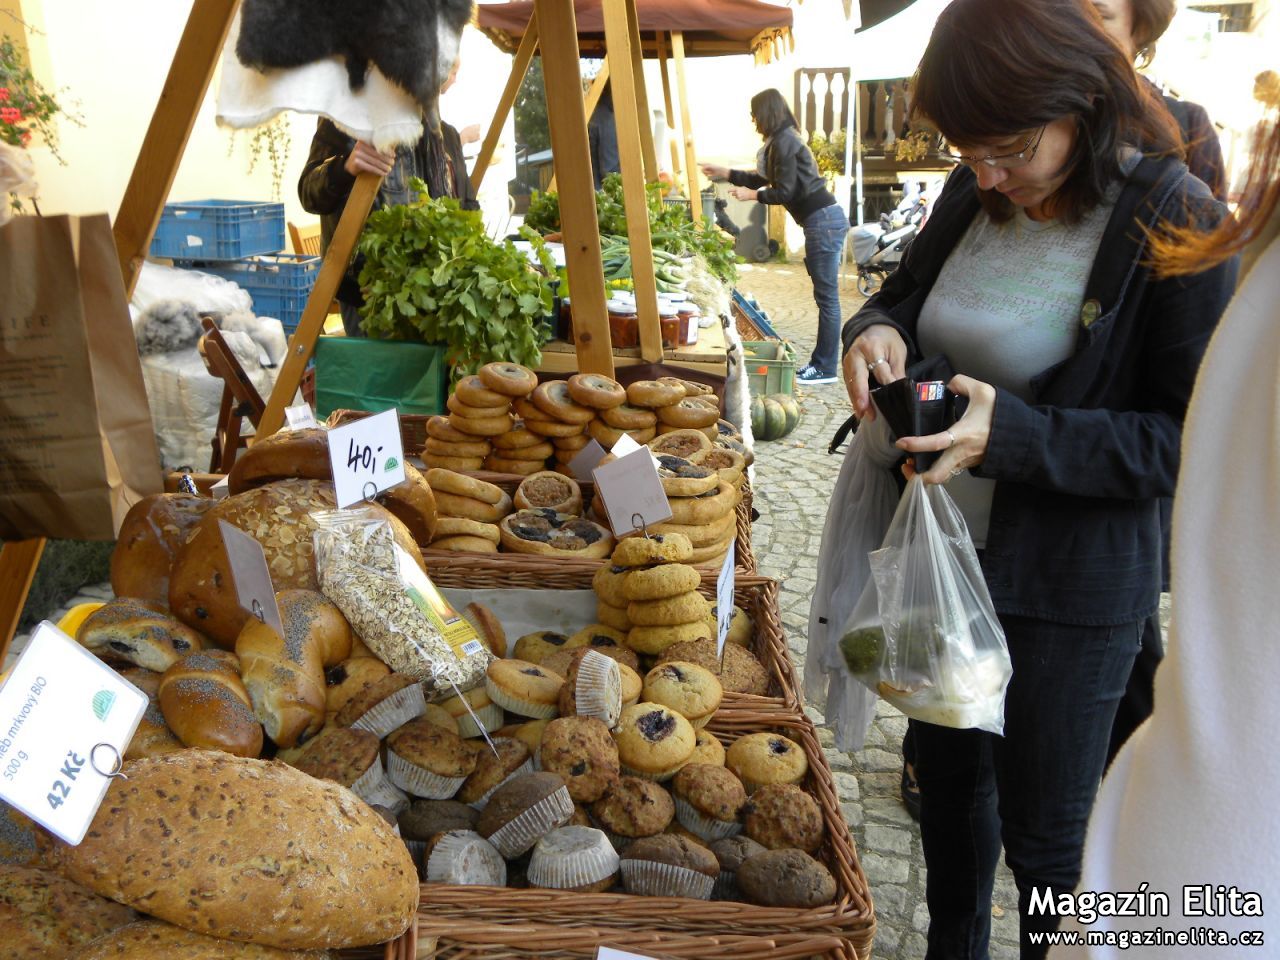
1033	788
824	234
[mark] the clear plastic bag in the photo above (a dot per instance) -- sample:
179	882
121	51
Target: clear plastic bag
924	634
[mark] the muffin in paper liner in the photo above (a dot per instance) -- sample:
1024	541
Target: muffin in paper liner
702	721
490	717
418	781
522	832
570	858
708	828
598	691
373	787
418	850
659	776
517	705
394	712
464	857
520	771
648	878
726	886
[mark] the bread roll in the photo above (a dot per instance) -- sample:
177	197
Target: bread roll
45	916
137	632
153	738
286	454
284	676
247	850
153	531
156	940
205	704
413	503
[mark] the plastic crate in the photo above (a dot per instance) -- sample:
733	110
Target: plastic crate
771	366
751	319
218	230
278	283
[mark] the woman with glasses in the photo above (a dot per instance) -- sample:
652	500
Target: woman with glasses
1032	279
788	174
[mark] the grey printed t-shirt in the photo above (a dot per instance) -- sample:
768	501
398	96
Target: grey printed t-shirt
1006	306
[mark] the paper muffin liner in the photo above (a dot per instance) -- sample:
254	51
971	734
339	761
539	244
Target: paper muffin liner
418	781
523	831
578	869
726	886
464	857
418	850
700	722
520	771
372	787
708	828
648	878
490	717
393	712
598	691
525	708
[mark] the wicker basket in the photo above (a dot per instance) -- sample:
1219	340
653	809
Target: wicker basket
501	922
413	427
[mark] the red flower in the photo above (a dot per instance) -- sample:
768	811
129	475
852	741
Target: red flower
10	114
4	94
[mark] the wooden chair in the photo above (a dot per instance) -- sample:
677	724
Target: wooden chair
240	398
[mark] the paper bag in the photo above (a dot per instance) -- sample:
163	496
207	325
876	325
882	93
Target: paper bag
77	448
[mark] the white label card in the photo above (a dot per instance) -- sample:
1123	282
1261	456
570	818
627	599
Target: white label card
254	590
367	457
632	493
221	490
608	953
724	600
300	417
66	716
587	459
627	444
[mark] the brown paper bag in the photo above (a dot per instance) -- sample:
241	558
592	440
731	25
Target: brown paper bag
77	447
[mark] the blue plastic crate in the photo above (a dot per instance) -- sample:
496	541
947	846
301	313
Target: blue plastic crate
279	283
218	230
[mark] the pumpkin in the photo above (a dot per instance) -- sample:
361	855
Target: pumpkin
773	417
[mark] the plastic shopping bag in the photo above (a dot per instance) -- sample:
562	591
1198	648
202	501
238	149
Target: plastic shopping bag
924	634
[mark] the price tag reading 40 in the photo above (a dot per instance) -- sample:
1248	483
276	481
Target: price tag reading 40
65	720
367	457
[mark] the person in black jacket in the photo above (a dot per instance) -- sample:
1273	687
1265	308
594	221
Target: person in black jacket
788	174
330	173
1033	277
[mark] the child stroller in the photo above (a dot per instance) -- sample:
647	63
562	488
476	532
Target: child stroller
878	247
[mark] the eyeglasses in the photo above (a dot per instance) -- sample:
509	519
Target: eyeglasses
1005	160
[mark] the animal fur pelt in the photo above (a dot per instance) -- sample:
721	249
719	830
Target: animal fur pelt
166	326
414	43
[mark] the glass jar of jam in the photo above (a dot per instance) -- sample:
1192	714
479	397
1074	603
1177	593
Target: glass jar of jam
624	325
669	322
564	330
688	324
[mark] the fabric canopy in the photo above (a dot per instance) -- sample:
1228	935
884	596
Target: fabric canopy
893	47
710	27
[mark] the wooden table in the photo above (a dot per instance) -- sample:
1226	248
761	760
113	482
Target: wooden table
708	355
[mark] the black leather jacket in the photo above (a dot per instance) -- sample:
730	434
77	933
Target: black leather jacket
793	179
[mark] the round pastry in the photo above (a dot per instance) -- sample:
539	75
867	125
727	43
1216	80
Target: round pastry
439	428
551	491
657	641
603	434
707	749
523	468
518	439
473	711
608	641
669	866
534	453
482	426
462	527
635	807
453	464
759	759
524	688
451	505
574	858
737	446
704	509
523	810
680	478
465	544
613	617
592	688
655	393
595	391
681	443
713	555
781	815
657	583
728	463
741	672
715	533
536	647
472	391
695	389
425	818
346	679
653	741
508	379
468	449
571	444
552	428
665	428
643	551
488	628
731	853
627	417
785	878
581	750
708	799
137	632
445	481
556	403
690	690
426	760
152	532
608	583
512	759
688	414
460	408
340	754
547	533
383	705
685	608
463	857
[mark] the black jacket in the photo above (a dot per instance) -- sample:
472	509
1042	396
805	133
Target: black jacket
793	179
1074	535
325	185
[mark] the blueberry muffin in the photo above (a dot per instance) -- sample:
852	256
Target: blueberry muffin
536	647
653	741
612	643
581	751
523	688
763	758
690	690
707	749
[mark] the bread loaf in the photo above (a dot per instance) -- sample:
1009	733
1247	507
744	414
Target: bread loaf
205	704
413	503
137	632
156	940
285	455
45	916
284	675
248	850
153	531
201	591
153	738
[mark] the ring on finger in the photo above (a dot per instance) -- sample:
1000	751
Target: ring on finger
875	363
956	472
952	437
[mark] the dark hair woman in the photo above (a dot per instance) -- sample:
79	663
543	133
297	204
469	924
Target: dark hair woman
1032	277
787	173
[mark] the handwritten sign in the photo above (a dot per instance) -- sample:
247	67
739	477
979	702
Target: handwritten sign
254	590
724	601
367	457
632	492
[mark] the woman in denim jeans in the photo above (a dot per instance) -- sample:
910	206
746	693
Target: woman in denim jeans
787	173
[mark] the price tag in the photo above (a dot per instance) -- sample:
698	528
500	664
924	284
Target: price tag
367	457
221	490
724	601
254	589
632	492
300	417
626	444
66	718
587	460
608	953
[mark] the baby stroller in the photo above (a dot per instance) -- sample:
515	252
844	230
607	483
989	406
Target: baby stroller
878	247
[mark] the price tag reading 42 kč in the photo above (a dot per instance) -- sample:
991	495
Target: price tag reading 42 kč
65	720
367	457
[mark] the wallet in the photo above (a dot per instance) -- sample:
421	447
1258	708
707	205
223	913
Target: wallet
920	404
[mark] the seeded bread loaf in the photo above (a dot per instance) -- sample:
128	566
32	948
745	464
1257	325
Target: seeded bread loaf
154	940
45	916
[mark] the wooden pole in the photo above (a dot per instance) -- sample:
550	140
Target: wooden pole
519	67
594	92
571	152
303	342
647	149
664	71
686	125
171	124
18	562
